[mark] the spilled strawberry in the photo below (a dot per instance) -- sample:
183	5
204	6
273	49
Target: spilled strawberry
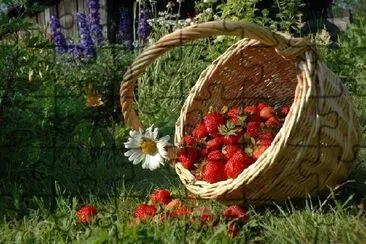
160	196
86	214
145	212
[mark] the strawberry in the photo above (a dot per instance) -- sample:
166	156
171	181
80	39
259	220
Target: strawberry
181	211
204	152
272	122
235	120
160	196
200	131
235	212
212	122
261	105
230	150
265	142
253	111
259	151
285	110
267	112
188	141
86	213
237	163
234	112
231	140
215	143
215	155
174	204
253	128
266	136
188	157
214	172
144	212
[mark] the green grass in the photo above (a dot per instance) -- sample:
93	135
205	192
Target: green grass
315	222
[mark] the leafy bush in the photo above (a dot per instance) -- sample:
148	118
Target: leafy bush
348	59
48	132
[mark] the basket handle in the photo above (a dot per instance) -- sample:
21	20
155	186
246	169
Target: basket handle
285	47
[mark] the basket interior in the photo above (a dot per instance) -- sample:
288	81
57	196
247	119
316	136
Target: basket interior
245	74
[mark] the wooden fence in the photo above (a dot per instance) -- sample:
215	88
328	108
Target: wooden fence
65	11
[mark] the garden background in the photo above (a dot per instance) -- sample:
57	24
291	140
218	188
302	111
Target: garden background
62	132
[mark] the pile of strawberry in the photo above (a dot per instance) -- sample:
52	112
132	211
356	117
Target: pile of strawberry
162	206
225	143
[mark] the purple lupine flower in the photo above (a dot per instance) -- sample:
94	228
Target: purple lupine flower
144	29
125	28
94	17
57	35
75	50
86	42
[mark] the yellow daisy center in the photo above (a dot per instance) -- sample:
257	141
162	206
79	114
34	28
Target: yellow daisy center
148	147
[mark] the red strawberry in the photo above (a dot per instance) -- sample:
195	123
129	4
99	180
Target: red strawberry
235	212
174	204
272	122
214	172
259	151
188	141
215	155
230	150
231	140
266	136
86	213
182	211
265	142
200	131
188	157
160	196
285	110
234	112
145	212
212	122
261	105
253	128
237	163
254	113
267	112
204	152
215	143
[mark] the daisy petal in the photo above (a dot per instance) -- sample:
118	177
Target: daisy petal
161	150
155	162
146	162
139	158
155	133
130	152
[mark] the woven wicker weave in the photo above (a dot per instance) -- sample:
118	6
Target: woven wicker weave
315	149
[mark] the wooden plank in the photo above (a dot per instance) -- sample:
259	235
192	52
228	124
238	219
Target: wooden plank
69	17
81	4
52	9
65	18
103	16
41	19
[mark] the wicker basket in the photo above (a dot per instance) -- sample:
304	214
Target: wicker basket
315	149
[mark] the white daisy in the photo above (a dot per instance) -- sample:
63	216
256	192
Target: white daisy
147	148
